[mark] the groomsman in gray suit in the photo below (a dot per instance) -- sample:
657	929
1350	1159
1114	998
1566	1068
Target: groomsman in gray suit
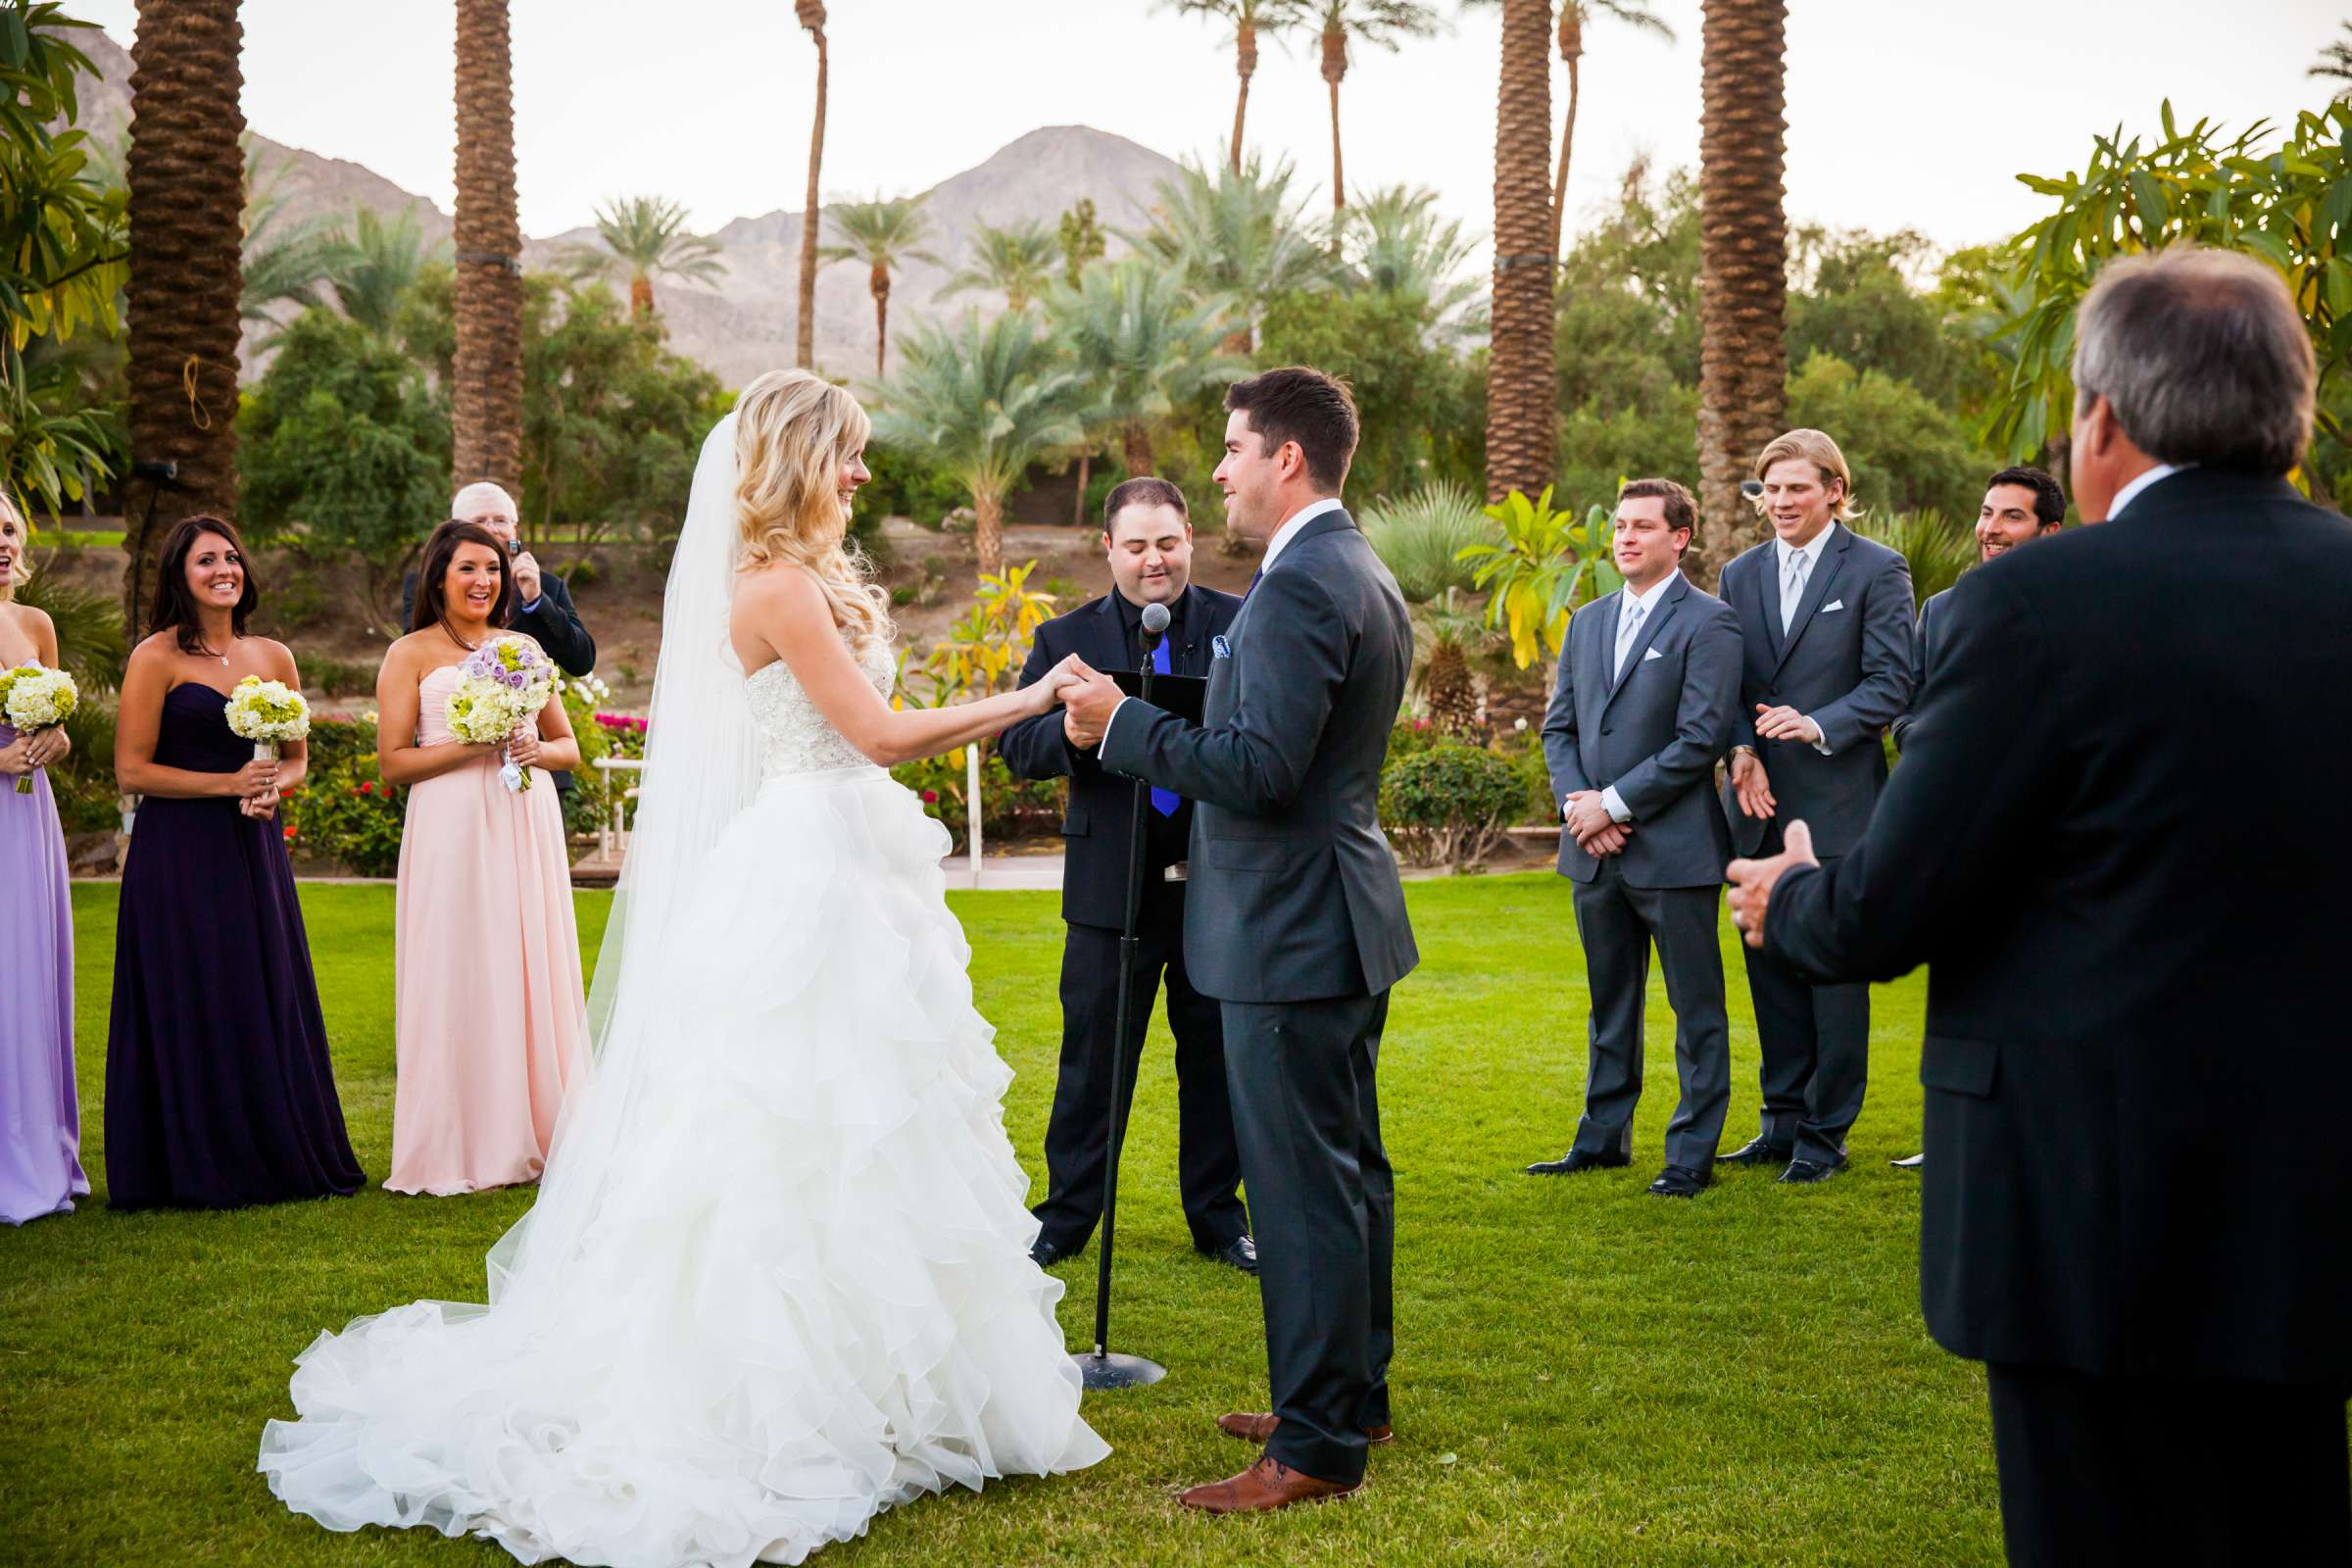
1649	689
1824	618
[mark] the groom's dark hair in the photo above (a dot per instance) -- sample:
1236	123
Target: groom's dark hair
1305	406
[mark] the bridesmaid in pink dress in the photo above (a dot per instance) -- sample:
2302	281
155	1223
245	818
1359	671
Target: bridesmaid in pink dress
489	1020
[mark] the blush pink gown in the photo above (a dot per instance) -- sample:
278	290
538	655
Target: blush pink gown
490	1020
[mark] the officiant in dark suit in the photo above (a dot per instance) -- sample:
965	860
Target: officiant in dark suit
1824	618
1148	539
2113	841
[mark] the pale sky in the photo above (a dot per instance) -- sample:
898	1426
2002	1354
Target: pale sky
1902	113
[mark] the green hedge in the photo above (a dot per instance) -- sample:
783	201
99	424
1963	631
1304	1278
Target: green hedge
1449	804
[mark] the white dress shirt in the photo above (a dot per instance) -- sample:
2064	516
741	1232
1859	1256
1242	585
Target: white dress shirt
2131	492
1274	547
1634	611
1782	553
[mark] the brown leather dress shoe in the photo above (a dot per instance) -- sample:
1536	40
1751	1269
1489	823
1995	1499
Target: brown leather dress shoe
1268	1484
1259	1428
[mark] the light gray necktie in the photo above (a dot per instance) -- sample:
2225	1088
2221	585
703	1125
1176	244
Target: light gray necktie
1629	622
1793	588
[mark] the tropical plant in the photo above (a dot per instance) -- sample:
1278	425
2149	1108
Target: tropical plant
285	260
885	233
984	401
1421	540
1417	401
1236	235
62	221
1938	546
187	206
1016	261
1384	23
1520	416
812	17
644	237
1251	20
2285	198
1397	242
2335	61
372	268
1744	267
89	631
1140	344
1533	576
54	447
979	653
1080	239
486	371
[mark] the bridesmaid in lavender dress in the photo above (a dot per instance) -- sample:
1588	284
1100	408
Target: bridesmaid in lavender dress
41	1116
219	1091
490	1021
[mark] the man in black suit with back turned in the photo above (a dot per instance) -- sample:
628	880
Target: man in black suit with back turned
1643	712
2115	843
1824	615
1295	920
1150	542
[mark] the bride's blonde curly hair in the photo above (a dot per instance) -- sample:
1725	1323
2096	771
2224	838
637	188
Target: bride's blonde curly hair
793	432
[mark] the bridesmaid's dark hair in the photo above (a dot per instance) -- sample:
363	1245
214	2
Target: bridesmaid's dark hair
175	606
433	602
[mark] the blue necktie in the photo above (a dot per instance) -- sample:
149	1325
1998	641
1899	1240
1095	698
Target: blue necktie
1254	581
1164	802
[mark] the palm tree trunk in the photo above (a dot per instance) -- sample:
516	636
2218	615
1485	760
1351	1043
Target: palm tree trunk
486	379
1136	447
1086	477
1572	50
1521	418
988	530
641	295
1744	266
187	182
1245	65
805	330
1335	65
878	281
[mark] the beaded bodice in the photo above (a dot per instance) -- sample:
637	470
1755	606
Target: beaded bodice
793	736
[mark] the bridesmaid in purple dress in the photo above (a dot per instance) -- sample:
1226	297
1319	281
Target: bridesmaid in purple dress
217	1088
41	1116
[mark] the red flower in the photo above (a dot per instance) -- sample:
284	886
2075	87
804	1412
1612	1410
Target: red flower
930	797
365	789
289	832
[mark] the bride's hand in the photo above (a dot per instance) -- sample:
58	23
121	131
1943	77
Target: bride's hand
1047	692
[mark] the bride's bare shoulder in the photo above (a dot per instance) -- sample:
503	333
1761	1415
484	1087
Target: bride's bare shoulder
778	585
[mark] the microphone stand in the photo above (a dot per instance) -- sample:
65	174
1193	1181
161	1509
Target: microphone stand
1104	1369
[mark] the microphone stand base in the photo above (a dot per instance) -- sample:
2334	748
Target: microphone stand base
1110	1370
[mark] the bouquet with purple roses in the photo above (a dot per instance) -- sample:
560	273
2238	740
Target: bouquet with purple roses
501	687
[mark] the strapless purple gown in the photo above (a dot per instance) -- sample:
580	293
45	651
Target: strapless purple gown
219	1092
40	1116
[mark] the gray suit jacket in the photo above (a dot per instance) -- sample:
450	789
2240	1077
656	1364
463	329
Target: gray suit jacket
1845	663
1654	732
1295	894
1919	648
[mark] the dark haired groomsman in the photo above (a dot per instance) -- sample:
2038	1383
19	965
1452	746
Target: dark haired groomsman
1150	542
2020	505
1824	618
1648	688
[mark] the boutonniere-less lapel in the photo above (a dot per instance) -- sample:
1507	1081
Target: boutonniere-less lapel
1817	589
1641	652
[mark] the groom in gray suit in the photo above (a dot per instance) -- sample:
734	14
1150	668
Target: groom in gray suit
1295	920
1648	688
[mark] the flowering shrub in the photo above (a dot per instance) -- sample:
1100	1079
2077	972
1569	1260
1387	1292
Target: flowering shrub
1013	807
1451	804
344	811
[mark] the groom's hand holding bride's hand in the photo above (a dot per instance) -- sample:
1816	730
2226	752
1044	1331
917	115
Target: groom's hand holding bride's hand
1752	881
1044	693
1087	706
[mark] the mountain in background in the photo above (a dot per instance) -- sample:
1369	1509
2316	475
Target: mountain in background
744	324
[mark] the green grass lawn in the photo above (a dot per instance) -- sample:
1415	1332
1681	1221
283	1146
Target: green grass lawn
1583	1374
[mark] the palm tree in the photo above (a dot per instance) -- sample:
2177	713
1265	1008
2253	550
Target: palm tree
486	369
1744	266
373	266
283	260
885	233
187	207
1396	241
1249	19
646	237
1575	17
1081	240
2335	61
1522	416
1420	539
1017	261
812	13
1140	344
983	402
1235	235
1385	22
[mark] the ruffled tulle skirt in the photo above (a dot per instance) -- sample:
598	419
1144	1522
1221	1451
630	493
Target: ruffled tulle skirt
777	1279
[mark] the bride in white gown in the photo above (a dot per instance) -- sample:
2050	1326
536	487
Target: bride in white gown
777	1277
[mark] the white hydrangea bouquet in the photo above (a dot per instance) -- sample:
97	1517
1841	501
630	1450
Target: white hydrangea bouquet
501	686
35	698
269	714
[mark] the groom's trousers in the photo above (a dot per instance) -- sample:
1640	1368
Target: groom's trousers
1323	1206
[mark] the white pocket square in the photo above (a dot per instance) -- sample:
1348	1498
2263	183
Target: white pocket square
1835	603
1649	654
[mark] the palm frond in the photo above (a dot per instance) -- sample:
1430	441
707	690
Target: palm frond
1420	538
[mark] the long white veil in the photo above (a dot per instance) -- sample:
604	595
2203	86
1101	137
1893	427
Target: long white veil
702	768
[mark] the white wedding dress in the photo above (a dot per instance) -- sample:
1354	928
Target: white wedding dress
777	1279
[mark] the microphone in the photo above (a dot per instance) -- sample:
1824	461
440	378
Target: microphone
1155	626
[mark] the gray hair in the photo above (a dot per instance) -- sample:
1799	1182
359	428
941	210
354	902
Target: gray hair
2203	356
479	494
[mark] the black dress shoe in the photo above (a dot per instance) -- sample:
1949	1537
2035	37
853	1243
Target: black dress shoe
1577	1161
1757	1151
1810	1172
1679	1181
1045	1253
1241	1252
